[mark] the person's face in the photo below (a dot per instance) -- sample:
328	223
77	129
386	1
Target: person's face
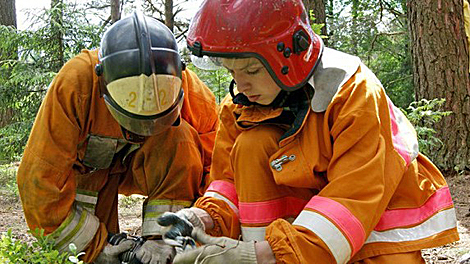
253	79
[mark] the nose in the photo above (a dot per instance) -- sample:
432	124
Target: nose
242	85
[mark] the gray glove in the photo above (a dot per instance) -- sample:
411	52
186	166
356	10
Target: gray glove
110	254
178	229
180	223
215	250
155	252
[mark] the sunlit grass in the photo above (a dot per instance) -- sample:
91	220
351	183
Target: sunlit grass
8	179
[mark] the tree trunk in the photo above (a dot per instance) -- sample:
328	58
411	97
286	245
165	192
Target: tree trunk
440	70
7	18
8	13
115	10
318	7
169	19
57	51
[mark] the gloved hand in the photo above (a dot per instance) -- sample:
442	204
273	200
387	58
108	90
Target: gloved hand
215	250
110	253
155	252
179	227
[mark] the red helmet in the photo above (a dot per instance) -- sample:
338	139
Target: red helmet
277	32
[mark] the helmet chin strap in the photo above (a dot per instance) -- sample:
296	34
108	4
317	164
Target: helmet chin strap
138	139
132	137
242	99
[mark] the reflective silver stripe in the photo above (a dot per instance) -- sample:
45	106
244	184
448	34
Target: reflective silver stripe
154	209
253	233
79	228
223	198
89	207
440	222
159	208
326	231
86	198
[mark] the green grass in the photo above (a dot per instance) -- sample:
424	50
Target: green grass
8	185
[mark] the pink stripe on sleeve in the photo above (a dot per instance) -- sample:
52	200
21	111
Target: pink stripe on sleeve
411	216
404	136
225	188
268	211
342	218
397	141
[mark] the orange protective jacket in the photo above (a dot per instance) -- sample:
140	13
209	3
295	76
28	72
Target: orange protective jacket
344	182
76	148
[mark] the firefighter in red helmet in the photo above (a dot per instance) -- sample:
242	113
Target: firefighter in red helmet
312	162
129	119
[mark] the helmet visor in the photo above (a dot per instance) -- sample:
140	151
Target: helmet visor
145	95
228	62
145	125
143	104
207	63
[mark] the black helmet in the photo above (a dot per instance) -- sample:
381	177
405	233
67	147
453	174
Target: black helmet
141	71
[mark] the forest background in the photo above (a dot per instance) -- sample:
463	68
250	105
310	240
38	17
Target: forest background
417	48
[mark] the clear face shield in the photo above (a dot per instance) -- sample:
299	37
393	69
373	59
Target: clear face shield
207	63
234	63
145	105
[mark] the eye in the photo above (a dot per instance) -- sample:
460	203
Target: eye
253	71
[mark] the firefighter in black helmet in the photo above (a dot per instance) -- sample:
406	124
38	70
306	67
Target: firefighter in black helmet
129	119
141	76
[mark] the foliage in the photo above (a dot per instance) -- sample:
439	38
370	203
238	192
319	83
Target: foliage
217	80
156	9
8	180
377	33
40	251
423	115
316	27
129	201
24	78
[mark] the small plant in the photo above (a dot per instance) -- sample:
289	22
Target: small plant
129	201
40	251
316	27
8	180
423	115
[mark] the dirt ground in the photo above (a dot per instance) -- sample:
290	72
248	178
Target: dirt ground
11	216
